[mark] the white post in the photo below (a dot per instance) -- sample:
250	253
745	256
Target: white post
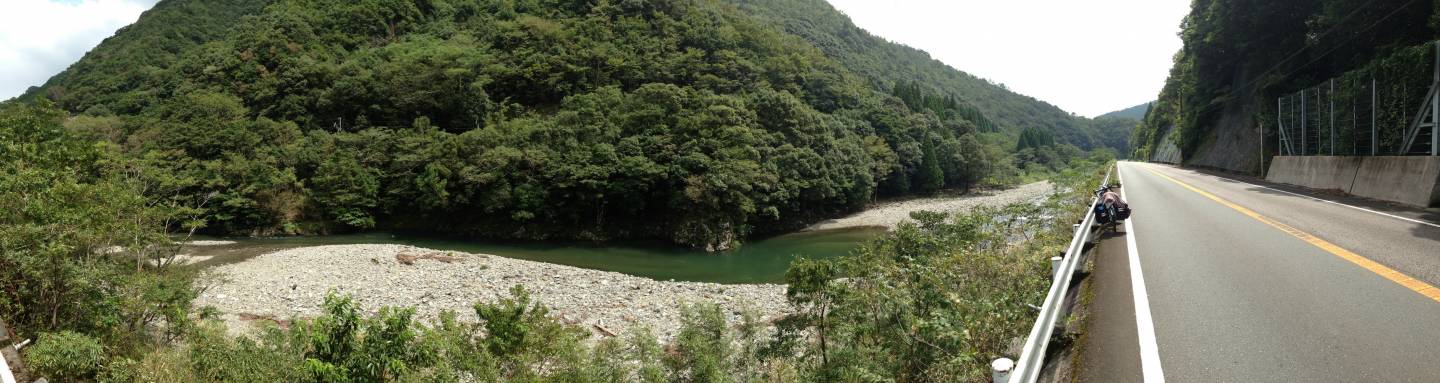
1000	370
7	377
1354	118
1055	266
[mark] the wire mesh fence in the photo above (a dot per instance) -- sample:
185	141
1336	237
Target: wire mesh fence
1371	111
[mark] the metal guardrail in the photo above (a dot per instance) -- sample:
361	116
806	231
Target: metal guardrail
1032	358
5	375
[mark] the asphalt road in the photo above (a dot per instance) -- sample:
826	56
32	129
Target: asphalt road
1264	286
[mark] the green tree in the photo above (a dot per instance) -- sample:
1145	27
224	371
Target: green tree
932	177
348	190
81	250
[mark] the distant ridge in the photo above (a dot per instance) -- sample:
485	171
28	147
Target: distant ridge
1135	112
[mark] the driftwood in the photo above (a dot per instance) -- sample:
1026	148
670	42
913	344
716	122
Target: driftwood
408	258
604	330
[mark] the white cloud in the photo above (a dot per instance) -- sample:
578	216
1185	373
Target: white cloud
1088	57
39	38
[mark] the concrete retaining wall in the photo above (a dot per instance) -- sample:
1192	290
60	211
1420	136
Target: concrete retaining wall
1409	180
1316	172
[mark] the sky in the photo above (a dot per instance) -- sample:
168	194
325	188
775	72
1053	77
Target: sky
1087	57
39	38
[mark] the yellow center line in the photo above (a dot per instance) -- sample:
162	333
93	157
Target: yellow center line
1413	284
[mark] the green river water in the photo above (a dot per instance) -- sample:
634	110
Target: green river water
758	261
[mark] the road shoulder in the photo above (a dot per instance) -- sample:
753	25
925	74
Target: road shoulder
1110	349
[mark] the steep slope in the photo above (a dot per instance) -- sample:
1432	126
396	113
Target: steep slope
682	120
1134	113
130	71
885	64
1240	55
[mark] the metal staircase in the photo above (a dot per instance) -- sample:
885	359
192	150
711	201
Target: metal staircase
1420	138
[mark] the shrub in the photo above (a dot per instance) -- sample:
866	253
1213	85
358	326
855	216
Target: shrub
66	356
702	351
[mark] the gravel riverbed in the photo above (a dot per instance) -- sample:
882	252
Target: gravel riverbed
292	283
891	214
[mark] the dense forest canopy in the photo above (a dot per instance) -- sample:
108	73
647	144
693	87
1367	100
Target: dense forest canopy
1239	55
693	121
139	57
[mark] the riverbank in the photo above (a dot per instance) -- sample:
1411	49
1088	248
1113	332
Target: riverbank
890	214
281	285
285	283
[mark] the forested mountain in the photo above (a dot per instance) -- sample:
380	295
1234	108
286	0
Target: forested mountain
885	64
1240	55
690	121
121	73
1134	113
683	120
1113	132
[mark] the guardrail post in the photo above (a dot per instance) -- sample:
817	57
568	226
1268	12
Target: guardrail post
6	376
1000	370
1055	266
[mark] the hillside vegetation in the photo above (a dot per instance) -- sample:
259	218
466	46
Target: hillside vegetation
86	270
687	121
690	121
1239	55
885	63
128	71
1135	112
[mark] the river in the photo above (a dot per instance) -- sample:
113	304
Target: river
759	261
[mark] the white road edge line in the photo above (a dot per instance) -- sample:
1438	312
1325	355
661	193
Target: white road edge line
1144	325
1331	202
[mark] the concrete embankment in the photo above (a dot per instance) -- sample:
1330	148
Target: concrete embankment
1411	180
1315	172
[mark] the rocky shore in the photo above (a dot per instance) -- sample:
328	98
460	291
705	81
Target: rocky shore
292	283
891	214
283	285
